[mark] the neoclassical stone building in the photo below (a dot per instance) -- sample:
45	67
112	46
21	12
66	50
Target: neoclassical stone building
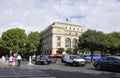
60	35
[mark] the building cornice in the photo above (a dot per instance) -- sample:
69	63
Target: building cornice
61	23
67	23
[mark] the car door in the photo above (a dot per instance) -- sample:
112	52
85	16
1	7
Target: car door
111	63
115	64
105	63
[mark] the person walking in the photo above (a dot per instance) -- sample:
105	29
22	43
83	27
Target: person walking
19	59
10	60
6	60
3	60
13	60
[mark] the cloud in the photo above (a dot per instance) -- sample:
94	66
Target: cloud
36	15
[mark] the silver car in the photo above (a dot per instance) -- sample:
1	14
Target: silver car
74	60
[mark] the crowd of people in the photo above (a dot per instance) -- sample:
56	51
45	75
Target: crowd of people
11	61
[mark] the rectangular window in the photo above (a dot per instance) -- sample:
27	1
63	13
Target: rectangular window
65	27
58	38
58	44
58	41
81	29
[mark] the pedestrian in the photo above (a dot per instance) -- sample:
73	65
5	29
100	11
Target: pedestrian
3	60
10	60
13	61
19	59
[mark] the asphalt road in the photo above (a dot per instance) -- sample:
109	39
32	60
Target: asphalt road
57	70
64	74
23	73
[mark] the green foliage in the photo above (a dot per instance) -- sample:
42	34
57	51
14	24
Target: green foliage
33	42
88	40
60	50
70	51
3	49
14	39
95	40
114	42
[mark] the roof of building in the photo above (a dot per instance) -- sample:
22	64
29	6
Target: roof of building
65	23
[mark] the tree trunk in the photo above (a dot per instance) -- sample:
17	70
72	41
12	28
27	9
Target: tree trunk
92	55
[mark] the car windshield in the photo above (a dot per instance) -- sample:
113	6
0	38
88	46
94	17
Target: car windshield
42	57
118	57
74	57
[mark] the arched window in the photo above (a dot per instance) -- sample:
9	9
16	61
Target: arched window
74	42
67	43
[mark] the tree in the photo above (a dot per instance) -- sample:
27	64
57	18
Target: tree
33	42
3	49
87	40
60	50
98	41
77	49
14	40
114	42
92	40
70	51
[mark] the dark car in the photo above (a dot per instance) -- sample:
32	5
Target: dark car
42	59
109	63
52	59
95	57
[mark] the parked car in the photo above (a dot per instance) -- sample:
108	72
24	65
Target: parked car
74	60
109	62
52	59
42	59
95	57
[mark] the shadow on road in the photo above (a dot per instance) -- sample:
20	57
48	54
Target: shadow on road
64	74
103	70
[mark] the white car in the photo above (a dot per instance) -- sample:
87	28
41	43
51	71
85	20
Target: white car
74	60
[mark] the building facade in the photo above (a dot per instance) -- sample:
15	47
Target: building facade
60	35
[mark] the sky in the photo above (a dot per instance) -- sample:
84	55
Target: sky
36	15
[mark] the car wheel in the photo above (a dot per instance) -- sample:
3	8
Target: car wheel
66	63
36	63
83	65
48	63
45	63
39	63
98	67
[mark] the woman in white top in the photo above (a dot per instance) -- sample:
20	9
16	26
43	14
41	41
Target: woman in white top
10	59
19	58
